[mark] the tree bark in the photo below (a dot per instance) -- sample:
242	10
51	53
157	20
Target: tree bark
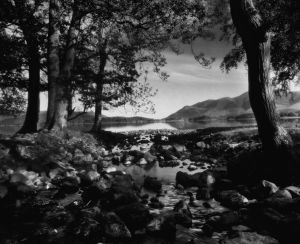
62	83
33	107
53	60
256	41
97	126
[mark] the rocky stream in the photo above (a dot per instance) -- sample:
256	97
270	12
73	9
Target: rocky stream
202	186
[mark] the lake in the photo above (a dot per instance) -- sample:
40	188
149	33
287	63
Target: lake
170	125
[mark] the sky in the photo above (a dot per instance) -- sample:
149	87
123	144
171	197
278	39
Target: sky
189	83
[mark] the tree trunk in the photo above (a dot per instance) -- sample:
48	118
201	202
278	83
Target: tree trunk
33	107
62	83
97	126
256	41
53	60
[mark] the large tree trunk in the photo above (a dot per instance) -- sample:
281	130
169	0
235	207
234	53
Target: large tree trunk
97	126
53	60
62	83
257	41
33	106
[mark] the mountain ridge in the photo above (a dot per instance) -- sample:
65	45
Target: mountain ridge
230	107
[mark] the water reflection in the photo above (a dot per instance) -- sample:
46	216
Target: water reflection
9	129
165	174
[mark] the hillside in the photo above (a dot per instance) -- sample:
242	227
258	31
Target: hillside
234	107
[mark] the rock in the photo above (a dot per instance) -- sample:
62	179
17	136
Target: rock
294	190
184	216
186	162
123	191
192	236
69	185
93	193
142	161
201	145
93	175
153	184
250	238
282	194
179	187
110	169
179	148
127	163
229	219
270	187
155	203
203	179
168	155
192	167
203	193
116	160
170	163
149	157
136	216
231	198
136	154
114	227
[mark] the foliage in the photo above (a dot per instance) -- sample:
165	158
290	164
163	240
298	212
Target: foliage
12	101
280	18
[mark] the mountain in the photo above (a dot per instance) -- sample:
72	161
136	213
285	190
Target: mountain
234	107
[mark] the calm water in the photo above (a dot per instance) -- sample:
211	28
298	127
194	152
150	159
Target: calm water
174	125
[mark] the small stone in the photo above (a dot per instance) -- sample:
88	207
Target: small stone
142	161
201	144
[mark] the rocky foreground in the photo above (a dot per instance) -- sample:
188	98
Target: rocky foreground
73	188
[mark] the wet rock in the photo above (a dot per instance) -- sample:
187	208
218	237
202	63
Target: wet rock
114	227
136	216
149	157
170	163
142	161
231	199
294	190
152	184
186	162
192	236
136	154
201	145
184	216
123	191
203	179
192	167
168	155
116	160
250	238
68	185
282	194
229	219
155	203
93	193
270	187
179	148
204	193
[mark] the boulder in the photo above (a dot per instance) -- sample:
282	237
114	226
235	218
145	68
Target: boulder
149	157
114	227
136	216
231	199
153	184
202	179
